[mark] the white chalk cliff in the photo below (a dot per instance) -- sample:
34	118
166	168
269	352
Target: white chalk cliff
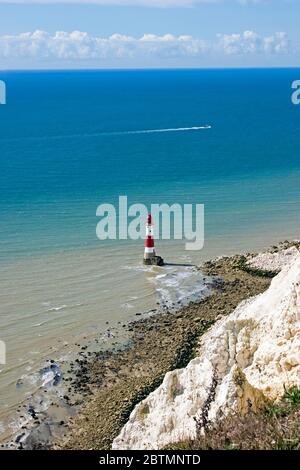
247	357
273	261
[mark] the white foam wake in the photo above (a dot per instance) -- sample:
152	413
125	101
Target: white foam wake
110	133
152	131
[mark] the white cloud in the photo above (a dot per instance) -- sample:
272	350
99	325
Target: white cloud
250	42
79	46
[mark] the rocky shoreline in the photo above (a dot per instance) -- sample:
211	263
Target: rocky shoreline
113	382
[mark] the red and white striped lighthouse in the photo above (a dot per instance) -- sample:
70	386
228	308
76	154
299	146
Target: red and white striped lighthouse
149	242
149	254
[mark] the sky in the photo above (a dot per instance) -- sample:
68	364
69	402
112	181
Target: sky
68	34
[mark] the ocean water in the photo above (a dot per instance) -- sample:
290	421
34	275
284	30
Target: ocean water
70	141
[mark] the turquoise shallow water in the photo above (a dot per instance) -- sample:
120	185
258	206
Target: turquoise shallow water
70	141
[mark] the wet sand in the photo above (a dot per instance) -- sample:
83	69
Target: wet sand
114	381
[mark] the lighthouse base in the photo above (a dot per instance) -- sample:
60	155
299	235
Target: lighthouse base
154	261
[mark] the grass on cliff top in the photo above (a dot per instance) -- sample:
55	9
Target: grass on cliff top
274	428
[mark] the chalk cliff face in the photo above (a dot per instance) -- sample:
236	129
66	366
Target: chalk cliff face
245	359
274	261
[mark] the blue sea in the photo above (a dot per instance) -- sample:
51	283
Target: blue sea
72	140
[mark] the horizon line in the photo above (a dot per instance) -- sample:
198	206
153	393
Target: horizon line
121	69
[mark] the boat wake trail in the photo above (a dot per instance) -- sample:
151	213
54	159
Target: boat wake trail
153	131
109	133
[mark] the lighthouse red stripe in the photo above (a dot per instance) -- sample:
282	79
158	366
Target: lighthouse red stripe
149	242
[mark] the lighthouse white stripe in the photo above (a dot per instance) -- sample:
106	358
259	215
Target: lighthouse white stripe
149	250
